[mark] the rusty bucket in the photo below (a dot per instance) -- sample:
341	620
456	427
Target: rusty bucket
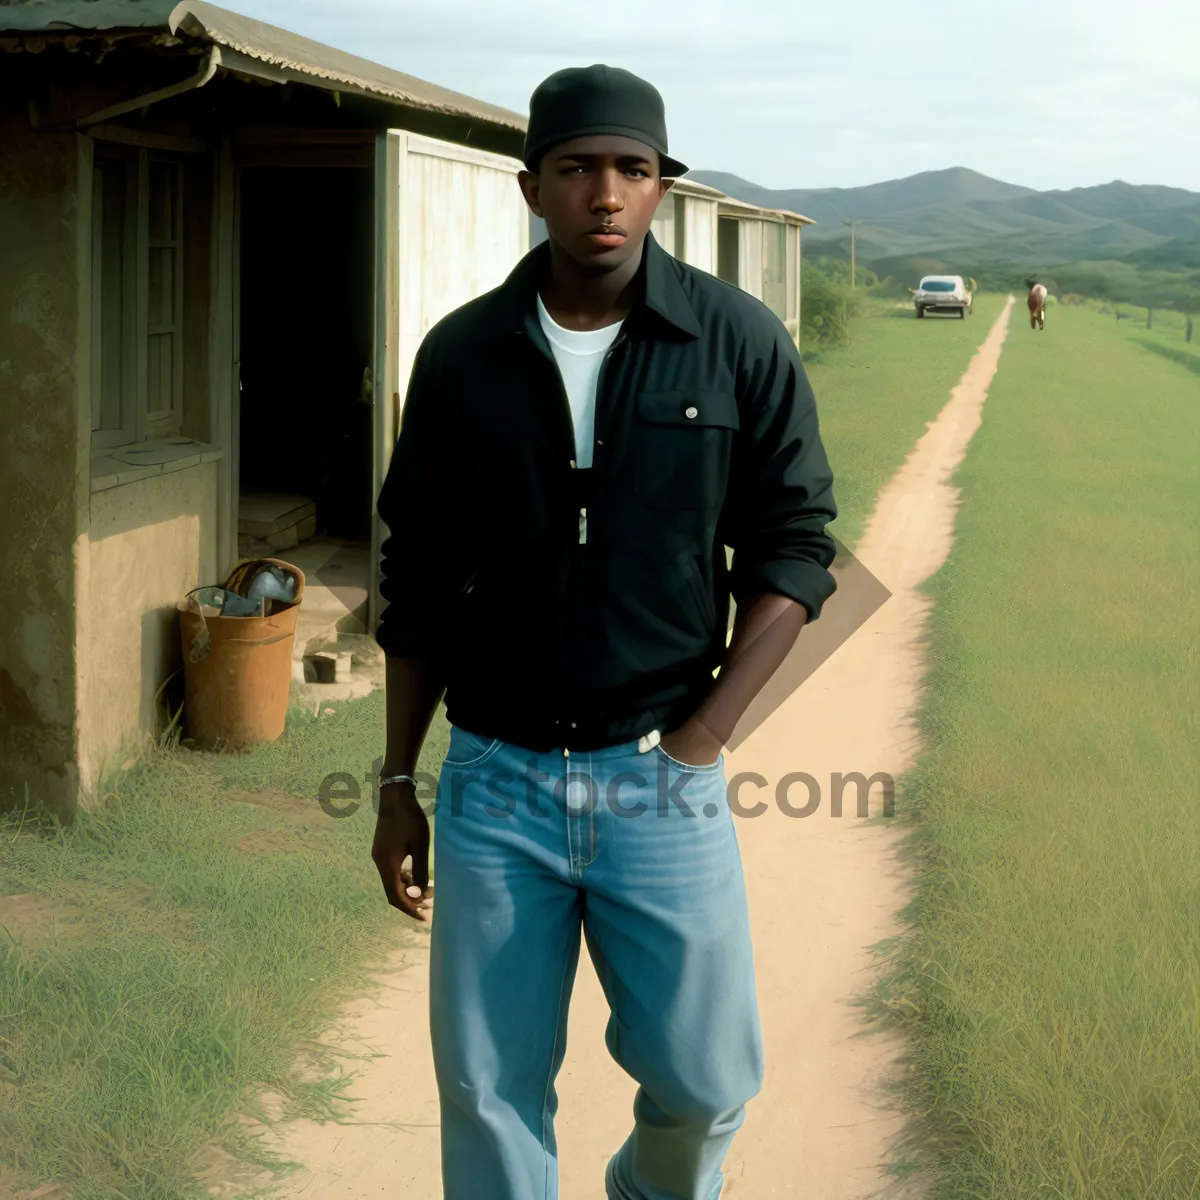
238	670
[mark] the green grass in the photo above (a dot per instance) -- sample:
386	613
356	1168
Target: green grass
875	396
1183	356
1051	974
204	939
199	941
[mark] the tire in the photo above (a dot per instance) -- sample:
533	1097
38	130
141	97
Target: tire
920	313
962	313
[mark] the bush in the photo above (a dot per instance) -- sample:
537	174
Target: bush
827	306
890	288
838	270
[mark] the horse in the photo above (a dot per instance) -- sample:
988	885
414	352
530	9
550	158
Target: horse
1037	306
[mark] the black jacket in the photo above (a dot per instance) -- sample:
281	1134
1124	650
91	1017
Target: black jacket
582	608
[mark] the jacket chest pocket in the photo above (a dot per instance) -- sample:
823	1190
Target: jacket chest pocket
682	443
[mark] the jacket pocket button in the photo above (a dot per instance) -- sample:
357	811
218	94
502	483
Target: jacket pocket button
691	411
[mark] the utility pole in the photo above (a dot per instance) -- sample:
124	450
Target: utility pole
851	223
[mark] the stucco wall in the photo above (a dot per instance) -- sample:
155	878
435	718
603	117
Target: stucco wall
41	504
151	542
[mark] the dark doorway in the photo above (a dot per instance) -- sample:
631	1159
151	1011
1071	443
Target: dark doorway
307	311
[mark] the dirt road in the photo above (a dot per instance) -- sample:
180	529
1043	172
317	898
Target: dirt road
822	891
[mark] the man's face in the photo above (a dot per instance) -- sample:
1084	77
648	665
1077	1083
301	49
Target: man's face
597	196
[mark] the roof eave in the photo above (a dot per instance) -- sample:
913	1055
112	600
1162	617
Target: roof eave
238	62
246	58
731	207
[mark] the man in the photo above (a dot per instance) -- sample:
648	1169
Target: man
578	447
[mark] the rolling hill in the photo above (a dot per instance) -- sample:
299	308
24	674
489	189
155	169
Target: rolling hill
961	216
829	206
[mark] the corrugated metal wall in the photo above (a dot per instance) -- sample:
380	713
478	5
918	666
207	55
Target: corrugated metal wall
750	257
451	224
463	227
793	282
700	233
774	236
665	223
793	272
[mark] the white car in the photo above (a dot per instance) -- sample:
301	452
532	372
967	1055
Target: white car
942	293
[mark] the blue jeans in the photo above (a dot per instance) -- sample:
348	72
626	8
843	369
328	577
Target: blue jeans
532	849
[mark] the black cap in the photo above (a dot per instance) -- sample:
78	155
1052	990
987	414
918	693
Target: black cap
580	101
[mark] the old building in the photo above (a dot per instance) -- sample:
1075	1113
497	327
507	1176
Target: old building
211	230
221	245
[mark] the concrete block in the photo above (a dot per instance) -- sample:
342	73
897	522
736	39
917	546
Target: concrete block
332	666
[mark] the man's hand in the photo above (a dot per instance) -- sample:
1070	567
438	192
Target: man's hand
764	632
401	851
693	744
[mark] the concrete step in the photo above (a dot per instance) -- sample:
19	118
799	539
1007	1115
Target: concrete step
261	514
272	523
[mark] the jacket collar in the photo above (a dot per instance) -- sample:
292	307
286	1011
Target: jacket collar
514	303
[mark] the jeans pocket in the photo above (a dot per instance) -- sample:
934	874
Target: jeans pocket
469	749
692	768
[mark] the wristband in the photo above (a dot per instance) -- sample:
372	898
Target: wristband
386	780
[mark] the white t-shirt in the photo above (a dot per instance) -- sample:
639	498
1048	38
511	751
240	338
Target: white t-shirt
579	355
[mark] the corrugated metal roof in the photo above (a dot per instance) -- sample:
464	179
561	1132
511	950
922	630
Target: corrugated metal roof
310	61
301	57
28	16
734	208
327	66
689	187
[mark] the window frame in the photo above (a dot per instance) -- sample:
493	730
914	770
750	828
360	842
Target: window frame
163	421
135	423
124	431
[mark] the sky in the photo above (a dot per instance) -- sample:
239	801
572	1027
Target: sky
789	94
